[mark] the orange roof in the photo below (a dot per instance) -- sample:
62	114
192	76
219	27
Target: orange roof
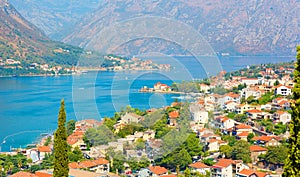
198	165
283	86
223	163
243	134
243	126
233	95
247	172
44	149
265	138
173	114
254	111
88	163
281	112
255	148
101	161
74	165
158	170
23	174
225	119
41	174
75	137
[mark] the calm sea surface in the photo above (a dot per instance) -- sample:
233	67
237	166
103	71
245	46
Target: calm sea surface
29	105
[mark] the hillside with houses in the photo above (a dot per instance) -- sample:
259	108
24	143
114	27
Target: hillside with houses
236	126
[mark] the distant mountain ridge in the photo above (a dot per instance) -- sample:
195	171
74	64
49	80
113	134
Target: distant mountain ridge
22	41
254	27
54	17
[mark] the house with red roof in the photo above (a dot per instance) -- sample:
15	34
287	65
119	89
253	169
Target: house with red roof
199	167
254	114
230	106
173	116
154	171
222	168
161	87
283	90
242	136
243	128
256	151
43	150
251	173
267	140
76	140
100	165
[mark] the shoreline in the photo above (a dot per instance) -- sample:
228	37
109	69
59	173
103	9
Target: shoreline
83	71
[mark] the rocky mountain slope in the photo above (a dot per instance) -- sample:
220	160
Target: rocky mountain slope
22	41
248	27
54	17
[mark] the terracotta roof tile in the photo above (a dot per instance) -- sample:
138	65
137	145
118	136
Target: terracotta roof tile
44	149
243	134
74	165
173	114
243	126
158	170
254	111
23	174
198	165
41	174
265	138
255	148
223	163
247	172
101	161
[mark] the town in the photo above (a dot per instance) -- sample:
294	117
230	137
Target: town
13	67
237	125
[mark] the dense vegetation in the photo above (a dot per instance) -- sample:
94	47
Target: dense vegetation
292	163
61	160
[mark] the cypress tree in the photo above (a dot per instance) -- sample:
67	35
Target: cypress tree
61	161
292	162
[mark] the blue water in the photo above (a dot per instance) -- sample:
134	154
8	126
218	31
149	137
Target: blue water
29	105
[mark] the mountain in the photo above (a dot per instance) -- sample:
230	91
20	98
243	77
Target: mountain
243	27
54	17
22	41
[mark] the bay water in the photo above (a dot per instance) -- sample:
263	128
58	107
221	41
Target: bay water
29	105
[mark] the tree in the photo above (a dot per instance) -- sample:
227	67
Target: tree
61	160
226	150
70	126
75	155
241	151
193	146
276	155
249	137
187	172
183	159
292	163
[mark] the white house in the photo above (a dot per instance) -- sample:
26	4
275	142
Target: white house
282	116
222	168
283	90
199	167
